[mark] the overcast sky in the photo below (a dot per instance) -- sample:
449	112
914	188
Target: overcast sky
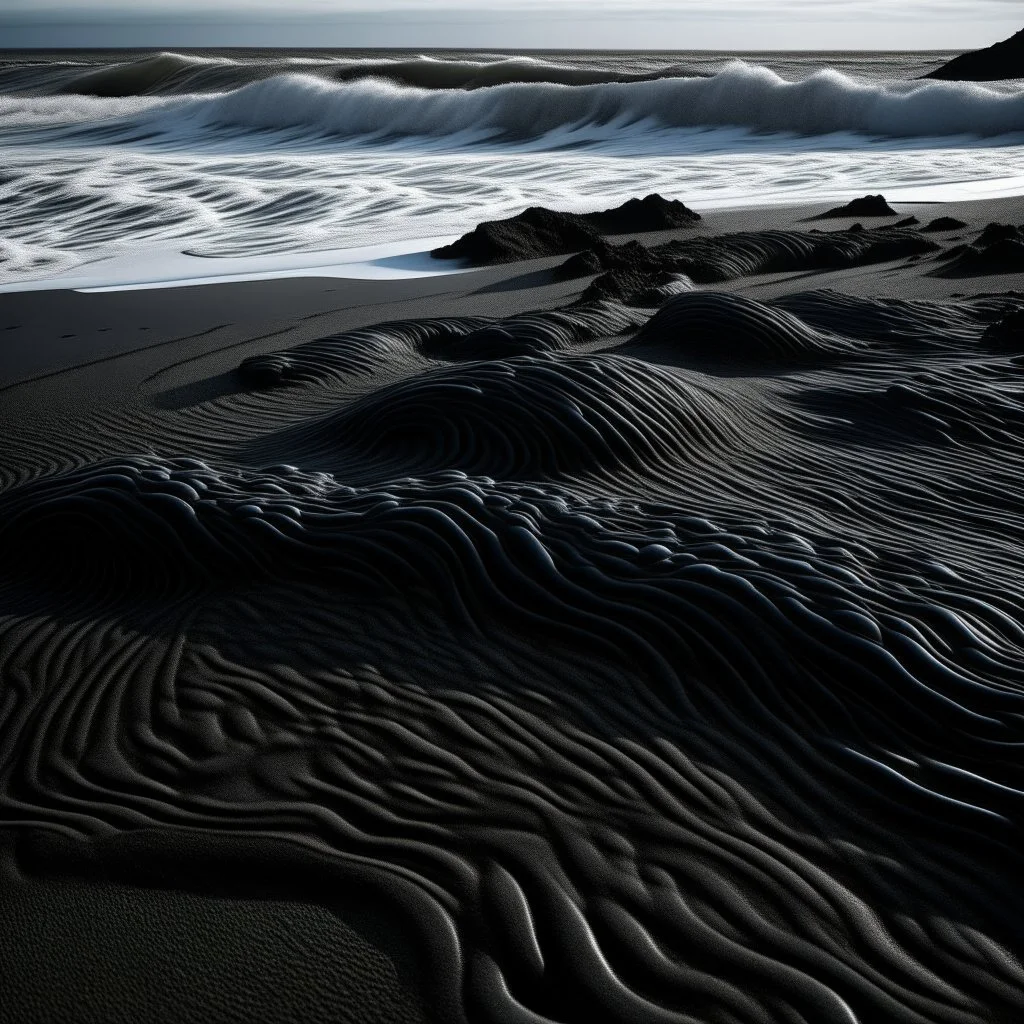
509	24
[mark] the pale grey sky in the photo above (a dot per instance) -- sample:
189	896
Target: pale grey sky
507	24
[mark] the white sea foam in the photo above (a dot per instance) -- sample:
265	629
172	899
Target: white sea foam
297	162
741	95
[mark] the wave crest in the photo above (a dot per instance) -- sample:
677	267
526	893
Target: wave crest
175	73
742	95
379	100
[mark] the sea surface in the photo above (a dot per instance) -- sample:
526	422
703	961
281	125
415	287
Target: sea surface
143	156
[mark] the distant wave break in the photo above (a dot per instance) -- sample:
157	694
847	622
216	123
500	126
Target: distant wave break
742	95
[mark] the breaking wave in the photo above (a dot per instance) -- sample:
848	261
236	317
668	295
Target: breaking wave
384	106
179	73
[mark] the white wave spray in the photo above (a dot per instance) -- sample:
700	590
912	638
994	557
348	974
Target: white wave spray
295	162
743	96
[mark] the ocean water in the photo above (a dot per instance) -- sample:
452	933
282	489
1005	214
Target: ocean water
110	157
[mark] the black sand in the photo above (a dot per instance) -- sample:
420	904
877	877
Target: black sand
486	651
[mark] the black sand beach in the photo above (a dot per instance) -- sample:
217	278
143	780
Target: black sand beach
517	646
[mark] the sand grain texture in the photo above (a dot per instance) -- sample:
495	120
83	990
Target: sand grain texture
511	656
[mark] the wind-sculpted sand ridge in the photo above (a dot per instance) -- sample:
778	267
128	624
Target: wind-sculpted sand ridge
537	417
952	324
961	407
727	257
634	689
737	329
358	353
557	330
642	275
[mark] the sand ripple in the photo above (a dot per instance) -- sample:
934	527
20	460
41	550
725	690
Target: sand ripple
640	693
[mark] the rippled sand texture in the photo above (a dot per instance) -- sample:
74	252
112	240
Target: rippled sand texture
642	667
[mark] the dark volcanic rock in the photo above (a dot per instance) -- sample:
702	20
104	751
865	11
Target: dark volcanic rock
652	213
945	224
534	233
617	284
541	232
630	256
1003	60
867	206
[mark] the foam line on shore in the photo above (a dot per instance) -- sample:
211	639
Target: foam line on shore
171	268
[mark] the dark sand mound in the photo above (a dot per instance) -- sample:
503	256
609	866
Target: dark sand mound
904	325
534	416
540	232
638	275
995	232
637	286
727	257
342	357
867	206
733	329
1001	60
352	354
547	331
944	224
1005	256
582	264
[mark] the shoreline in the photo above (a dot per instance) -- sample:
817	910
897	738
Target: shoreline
167	265
47	331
